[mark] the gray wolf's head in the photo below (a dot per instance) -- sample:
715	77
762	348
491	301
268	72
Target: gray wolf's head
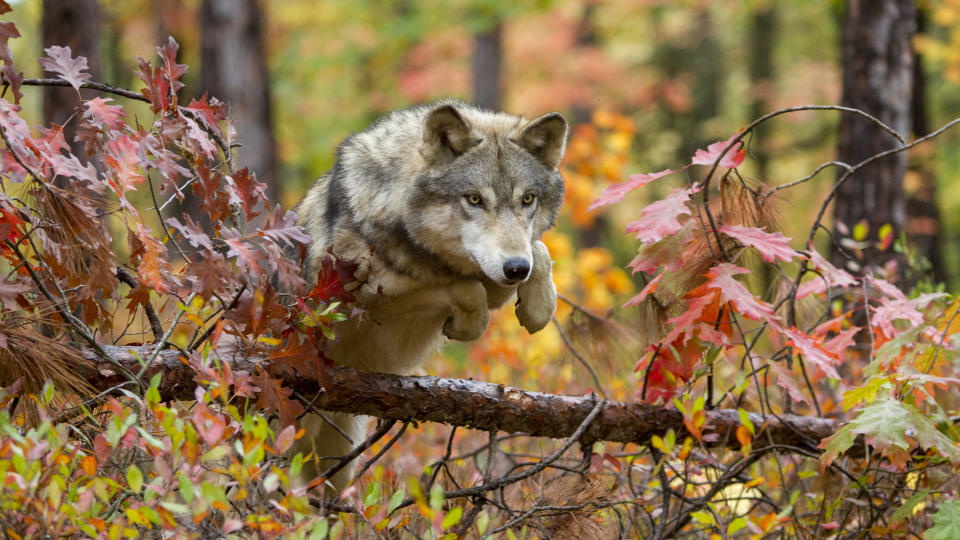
489	187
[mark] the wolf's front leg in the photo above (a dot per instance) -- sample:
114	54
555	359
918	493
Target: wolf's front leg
537	297
470	315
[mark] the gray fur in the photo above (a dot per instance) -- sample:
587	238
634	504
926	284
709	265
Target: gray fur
430	201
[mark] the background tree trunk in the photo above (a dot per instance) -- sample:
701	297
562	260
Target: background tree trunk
923	213
878	79
74	24
234	70
487	67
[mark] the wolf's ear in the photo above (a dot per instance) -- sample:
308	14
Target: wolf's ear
445	133
546	138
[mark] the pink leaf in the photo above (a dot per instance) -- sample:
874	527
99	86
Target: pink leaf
661	218
835	276
98	112
812	351
210	112
201	138
191	232
731	290
281	227
772	246
731	159
172	71
70	69
786	381
246	258
887	288
616	192
667	252
890	310
651	286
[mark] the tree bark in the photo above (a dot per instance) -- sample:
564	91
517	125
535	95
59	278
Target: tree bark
923	213
878	79
234	70
479	405
74	24
488	67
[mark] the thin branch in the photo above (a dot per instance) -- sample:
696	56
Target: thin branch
576	354
155	326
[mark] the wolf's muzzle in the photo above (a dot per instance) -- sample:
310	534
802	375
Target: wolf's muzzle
516	269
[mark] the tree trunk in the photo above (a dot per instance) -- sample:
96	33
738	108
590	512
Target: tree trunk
487	67
74	24
923	214
878	79
234	70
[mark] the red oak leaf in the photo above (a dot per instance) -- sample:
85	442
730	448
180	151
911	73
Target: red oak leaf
812	350
282	228
124	163
191	232
70	69
154	270
199	136
666	253
890	310
243	189
98	112
237	247
210	112
731	159
786	380
172	71
772	246
333	276
721	278
275	397
835	276
651	286
661	218
616	192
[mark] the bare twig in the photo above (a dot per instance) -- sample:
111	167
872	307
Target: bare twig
155	326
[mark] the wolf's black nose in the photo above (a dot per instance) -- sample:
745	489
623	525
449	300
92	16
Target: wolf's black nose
516	269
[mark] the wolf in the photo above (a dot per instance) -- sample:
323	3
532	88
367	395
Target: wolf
441	207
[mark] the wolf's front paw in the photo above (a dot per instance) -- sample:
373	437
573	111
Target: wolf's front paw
537	297
470	315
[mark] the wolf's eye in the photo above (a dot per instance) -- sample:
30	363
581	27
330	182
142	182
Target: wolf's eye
474	200
527	199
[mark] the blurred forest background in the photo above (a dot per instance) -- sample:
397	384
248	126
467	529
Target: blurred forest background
644	82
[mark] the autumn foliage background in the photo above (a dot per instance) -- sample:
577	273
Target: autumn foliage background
722	294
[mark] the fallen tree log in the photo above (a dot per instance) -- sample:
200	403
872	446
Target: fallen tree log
481	405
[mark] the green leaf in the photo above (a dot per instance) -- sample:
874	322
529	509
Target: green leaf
452	518
176	508
906	510
886	422
436	497
47	393
320	530
702	517
946	522
395	501
187	490
134	478
736	525
745	420
861	230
